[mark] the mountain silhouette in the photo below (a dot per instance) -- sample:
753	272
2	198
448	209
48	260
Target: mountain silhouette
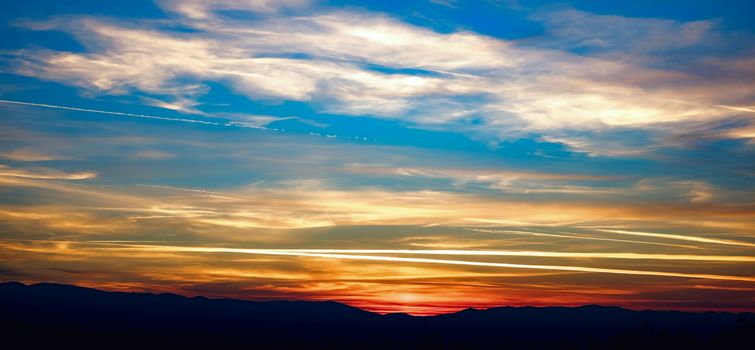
57	315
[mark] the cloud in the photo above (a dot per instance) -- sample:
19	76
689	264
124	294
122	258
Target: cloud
43	173
510	181
28	155
572	236
152	155
199	9
180	104
86	110
629	87
568	28
481	175
682	237
297	205
440	252
362	63
353	256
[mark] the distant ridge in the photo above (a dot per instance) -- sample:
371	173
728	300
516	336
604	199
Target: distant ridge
47	314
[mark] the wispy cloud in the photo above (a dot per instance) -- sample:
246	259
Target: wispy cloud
631	256
602	159
501	179
28	155
681	237
198	9
568	28
124	114
291	205
353	255
44	173
572	236
468	82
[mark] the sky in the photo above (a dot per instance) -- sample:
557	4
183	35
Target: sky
398	156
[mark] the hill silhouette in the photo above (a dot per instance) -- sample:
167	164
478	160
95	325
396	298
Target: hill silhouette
58	315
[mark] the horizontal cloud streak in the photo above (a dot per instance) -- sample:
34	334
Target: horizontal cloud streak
682	237
43	174
530	254
437	261
574	236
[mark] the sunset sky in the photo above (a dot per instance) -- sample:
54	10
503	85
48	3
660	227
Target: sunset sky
399	156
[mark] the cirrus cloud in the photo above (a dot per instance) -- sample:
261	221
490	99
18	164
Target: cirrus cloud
369	64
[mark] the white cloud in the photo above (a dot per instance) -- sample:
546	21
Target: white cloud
202	9
425	78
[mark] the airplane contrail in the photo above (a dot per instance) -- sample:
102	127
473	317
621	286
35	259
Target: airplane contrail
529	233
293	252
230	124
145	116
681	237
630	233
466	252
641	256
738	108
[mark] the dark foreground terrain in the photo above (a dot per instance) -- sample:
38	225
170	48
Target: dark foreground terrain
64	316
